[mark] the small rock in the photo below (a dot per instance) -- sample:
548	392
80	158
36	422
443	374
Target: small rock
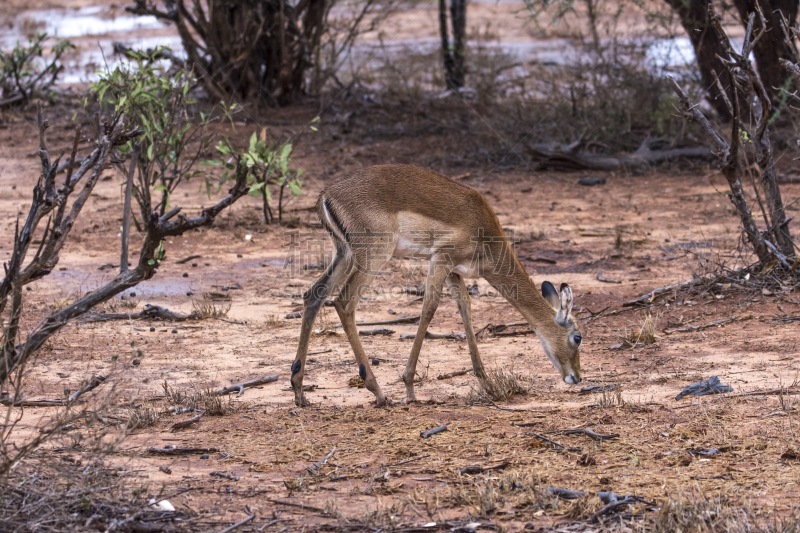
175	330
591	181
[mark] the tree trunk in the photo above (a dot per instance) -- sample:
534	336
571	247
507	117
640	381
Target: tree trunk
453	58
773	46
696	21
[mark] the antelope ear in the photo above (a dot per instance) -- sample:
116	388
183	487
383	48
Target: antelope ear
565	308
550	294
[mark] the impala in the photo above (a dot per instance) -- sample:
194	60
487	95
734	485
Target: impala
400	210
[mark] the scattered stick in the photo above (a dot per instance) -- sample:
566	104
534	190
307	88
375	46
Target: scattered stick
715	323
435	336
171	449
474	469
410	460
314	469
556	444
375	332
565	494
455	374
303	506
224	475
186	423
650	297
589	389
238	388
710	385
586	431
392	321
150	312
497	329
237	525
613	502
602	278
433	431
95	382
187	259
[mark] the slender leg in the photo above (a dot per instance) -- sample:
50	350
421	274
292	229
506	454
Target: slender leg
459	291
313	299
437	273
346	303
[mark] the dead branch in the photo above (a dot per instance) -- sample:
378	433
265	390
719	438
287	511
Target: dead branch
572	157
474	469
393	321
95	382
586	431
433	431
186	423
150	312
314	469
715	323
565	494
224	475
171	449
589	389
298	505
238	388
555	444
650	297
375	332
614	502
187	259
240	523
455	374
435	336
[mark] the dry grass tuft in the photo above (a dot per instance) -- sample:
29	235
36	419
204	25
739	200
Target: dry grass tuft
501	384
206	308
142	417
612	398
645	335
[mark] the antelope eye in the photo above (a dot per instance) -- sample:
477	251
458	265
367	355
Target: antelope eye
577	339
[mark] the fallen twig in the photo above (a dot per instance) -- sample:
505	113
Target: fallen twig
238	388
433	431
715	323
150	312
186	423
586	431
187	259
589	389
237	525
455	374
613	502
314	469
375	332
224	475
95	382
602	278
651	296
171	449
303	506
555	444
435	336
565	494
392	321
474	469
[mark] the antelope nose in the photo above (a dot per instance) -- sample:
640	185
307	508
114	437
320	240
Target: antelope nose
572	379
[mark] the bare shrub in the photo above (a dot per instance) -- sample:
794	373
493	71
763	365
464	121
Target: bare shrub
644	335
26	74
501	384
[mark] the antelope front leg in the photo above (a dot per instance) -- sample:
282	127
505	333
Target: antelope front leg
459	291
433	289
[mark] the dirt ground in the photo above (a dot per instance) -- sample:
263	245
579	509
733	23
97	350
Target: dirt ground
728	457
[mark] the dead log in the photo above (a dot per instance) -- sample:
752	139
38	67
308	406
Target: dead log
171	449
375	332
186	423
573	157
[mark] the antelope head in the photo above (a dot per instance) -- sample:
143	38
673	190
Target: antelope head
560	337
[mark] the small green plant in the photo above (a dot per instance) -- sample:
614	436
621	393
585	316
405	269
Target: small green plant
158	99
25	73
267	163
